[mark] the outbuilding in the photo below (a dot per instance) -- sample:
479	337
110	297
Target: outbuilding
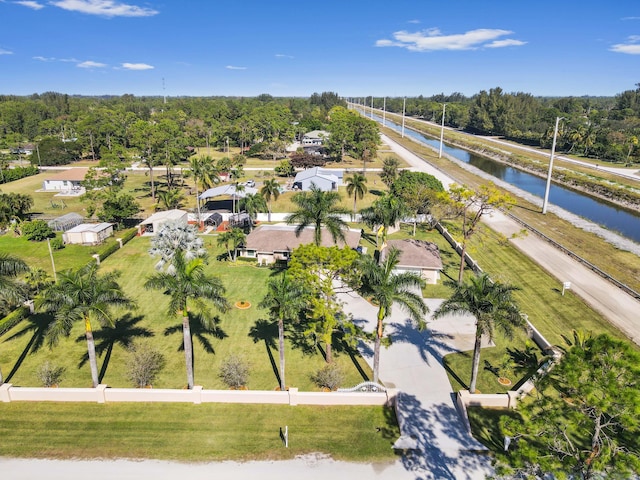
151	225
88	233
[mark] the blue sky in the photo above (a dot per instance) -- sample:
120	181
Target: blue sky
295	48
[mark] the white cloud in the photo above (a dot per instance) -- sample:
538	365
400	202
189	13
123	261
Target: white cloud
30	4
44	59
508	42
137	66
632	47
91	64
282	55
105	8
232	67
630	18
414	21
5	52
432	39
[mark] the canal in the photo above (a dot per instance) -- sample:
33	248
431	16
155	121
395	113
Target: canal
622	221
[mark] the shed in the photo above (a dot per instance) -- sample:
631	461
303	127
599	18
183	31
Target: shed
88	233
420	257
65	222
151	225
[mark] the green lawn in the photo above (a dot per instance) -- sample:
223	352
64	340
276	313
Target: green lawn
186	432
242	332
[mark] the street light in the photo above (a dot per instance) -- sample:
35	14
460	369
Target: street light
444	106
553	151
384	112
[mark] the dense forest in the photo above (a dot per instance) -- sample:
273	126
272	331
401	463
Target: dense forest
606	128
66	127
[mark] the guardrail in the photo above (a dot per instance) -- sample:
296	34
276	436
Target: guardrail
577	257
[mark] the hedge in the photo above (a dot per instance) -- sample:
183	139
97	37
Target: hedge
13	319
13	174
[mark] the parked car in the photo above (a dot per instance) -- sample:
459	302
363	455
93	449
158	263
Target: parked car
250	183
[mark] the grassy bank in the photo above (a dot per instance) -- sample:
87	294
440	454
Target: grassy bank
193	433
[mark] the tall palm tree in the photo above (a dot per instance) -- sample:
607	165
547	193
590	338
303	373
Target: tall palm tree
82	295
492	305
253	204
384	213
12	291
232	239
356	188
385	287
270	190
204	171
189	284
285	300
319	208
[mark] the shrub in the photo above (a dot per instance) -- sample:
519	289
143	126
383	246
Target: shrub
50	375
13	319
234	371
143	365
330	377
37	230
57	243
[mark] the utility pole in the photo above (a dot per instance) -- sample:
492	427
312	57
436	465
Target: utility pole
371	107
553	151
404	107
384	112
444	106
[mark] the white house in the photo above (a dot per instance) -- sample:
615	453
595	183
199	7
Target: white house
151	225
323	178
88	233
422	258
314	138
65	181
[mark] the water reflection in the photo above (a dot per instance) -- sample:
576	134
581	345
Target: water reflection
604	214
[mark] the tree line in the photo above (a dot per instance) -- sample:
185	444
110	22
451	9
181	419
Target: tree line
606	128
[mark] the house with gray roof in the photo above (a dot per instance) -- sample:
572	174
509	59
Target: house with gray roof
325	179
417	256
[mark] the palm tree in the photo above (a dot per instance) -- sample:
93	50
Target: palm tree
356	187
12	291
384	287
253	204
171	198
234	237
189	284
205	172
318	208
390	166
285	300
492	305
173	236
384	213
82	295
270	189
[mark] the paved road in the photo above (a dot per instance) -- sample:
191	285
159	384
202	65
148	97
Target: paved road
615	305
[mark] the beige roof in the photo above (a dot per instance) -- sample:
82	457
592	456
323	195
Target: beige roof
164	215
416	254
73	174
279	238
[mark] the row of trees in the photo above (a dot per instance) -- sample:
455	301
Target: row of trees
606	128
